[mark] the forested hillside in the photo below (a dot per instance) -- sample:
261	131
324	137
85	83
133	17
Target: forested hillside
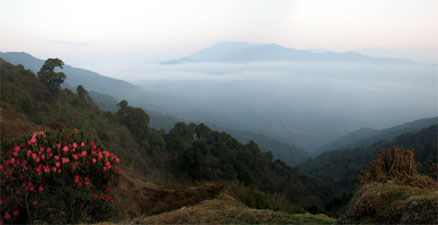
339	167
367	136
188	153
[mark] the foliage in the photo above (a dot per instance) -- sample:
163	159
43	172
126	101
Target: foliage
339	167
48	76
57	177
252	197
396	165
392	204
134	118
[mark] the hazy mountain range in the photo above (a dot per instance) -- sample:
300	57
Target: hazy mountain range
242	52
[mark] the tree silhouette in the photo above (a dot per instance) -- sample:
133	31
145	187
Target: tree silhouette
48	76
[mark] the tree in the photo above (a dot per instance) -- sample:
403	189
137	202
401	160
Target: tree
48	76
82	92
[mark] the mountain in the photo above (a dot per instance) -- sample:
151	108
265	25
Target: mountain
241	52
368	136
339	167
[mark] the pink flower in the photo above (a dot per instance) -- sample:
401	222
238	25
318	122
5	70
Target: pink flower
16	213
40	188
104	168
35	202
65	149
76	129
65	160
48	150
17	148
75	145
84	153
119	171
75	157
95	196
31	141
117	160
37	159
34	155
107	154
31	188
59	145
56	157
15	154
94	160
7	216
43	157
82	144
57	164
76	179
54	169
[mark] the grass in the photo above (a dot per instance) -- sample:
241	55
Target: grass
226	210
393	204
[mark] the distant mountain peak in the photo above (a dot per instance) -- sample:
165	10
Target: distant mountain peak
229	52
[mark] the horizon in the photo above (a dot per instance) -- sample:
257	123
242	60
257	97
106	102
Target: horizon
90	35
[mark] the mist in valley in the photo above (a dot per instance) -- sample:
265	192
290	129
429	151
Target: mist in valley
307	103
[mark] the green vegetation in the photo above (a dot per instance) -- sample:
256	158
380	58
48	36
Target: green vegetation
339	167
187	154
226	210
391	191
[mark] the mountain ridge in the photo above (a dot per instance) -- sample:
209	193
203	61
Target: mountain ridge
243	52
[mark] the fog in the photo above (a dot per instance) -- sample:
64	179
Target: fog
304	103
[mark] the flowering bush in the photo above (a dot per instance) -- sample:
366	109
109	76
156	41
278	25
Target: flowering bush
59	177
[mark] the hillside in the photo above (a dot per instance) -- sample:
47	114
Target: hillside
187	154
339	167
368	136
107	92
238	52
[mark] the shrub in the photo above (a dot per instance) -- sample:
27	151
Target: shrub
395	165
57	177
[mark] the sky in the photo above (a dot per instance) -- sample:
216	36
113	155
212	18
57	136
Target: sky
87	33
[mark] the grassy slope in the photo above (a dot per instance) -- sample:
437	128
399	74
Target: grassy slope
393	204
226	210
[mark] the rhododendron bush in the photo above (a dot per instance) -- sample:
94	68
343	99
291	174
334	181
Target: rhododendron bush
57	177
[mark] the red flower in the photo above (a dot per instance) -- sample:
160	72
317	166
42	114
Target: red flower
76	179
93	160
43	156
84	153
17	192
4	201
95	196
15	154
7	216
48	150
35	202
57	164
104	168
17	148
76	129
16	213
75	157
75	145
37	159
120	171
117	160
65	149
82	144
40	188
65	160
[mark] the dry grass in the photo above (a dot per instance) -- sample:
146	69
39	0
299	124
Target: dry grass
14	124
136	197
227	210
393	204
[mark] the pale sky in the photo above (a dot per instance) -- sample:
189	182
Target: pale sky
86	31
